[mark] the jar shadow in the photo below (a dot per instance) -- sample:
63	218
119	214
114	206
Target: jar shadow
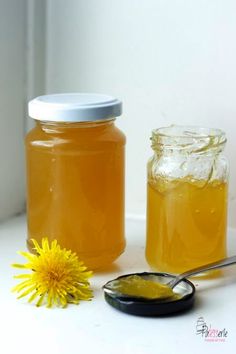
111	268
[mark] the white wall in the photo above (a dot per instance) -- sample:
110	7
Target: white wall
36	33
12	105
22	73
170	61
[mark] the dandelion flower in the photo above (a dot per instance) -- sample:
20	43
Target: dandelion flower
57	276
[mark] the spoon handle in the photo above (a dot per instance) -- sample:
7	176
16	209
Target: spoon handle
215	265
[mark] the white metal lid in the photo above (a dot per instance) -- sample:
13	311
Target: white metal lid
74	107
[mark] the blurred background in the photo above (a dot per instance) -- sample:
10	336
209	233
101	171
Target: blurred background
170	61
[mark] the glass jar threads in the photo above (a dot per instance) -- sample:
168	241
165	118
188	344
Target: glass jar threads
75	175
186	198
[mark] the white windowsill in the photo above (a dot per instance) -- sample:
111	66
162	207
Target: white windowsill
95	327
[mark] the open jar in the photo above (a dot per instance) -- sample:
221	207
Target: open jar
186	198
75	175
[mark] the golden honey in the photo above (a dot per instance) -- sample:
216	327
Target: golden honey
186	225
75	188
186	198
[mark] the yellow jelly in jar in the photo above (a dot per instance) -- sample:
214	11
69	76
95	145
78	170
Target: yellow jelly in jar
187	216
75	176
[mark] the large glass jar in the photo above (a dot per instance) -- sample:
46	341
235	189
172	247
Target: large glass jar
75	175
186	198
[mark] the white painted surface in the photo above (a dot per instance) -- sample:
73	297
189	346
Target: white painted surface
170	62
12	105
95	327
22	74
36	45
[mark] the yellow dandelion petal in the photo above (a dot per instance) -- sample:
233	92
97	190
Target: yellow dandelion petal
16	265
57	275
27	255
74	301
45	244
26	292
22	276
39	303
36	246
33	296
54	244
49	300
21	286
63	301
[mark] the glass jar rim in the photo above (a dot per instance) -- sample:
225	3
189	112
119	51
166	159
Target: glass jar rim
189	138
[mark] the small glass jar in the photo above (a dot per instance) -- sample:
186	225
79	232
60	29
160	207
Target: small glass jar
75	175
186	198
